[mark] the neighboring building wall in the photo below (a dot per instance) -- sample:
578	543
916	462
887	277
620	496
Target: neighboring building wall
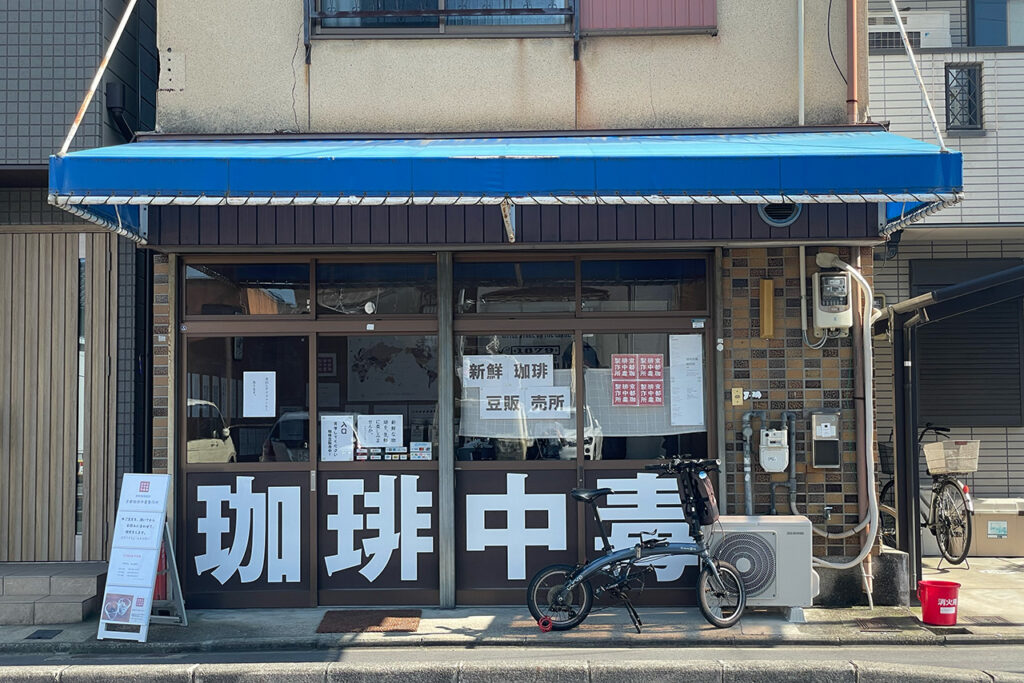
212	80
134	64
126	361
163	335
957	14
790	376
38	397
1001	463
994	158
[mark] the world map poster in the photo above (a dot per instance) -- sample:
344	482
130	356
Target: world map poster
392	369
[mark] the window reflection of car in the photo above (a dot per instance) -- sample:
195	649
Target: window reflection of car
593	439
288	440
207	434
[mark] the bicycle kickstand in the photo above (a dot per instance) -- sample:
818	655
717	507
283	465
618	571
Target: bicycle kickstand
634	617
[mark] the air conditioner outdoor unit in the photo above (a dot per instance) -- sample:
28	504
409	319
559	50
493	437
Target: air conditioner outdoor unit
930	28
772	553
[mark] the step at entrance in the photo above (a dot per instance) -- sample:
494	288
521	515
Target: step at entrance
50	592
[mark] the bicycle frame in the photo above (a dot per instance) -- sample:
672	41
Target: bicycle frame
633	555
928	519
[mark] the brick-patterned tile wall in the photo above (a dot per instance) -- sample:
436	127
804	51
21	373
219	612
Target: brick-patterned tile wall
790	376
161	340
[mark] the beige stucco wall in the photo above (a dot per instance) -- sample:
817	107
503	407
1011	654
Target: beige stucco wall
239	67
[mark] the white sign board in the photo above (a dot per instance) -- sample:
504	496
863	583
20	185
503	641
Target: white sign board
260	394
686	382
380	431
534	403
492	372
131	576
337	438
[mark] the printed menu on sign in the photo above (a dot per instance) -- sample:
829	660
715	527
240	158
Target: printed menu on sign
131	573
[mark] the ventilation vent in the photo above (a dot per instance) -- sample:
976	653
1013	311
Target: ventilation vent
779	215
752	556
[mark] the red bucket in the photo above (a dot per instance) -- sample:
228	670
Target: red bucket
938	602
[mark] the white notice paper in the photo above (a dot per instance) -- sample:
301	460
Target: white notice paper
380	431
686	381
260	398
337	434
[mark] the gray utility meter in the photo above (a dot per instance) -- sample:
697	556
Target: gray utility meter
833	305
826	446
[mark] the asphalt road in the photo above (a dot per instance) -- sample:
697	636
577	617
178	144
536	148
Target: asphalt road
1008	658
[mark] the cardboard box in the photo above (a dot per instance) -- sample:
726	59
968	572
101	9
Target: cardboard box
998	528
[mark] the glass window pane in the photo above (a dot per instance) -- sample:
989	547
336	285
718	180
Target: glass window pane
515	398
378	6
513	287
247	399
263	289
637	285
1015	22
508	20
629	381
376	288
377	397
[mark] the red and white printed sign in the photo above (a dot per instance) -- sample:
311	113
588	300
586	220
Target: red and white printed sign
638	379
624	366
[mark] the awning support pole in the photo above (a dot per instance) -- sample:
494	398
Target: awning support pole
917	73
96	79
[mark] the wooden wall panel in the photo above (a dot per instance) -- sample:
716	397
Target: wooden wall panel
100	394
483	225
38	395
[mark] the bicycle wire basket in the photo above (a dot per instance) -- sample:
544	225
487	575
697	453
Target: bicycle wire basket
885	460
949	457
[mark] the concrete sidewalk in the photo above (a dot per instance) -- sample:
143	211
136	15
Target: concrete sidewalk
991	612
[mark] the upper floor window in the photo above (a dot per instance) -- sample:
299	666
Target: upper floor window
374	17
963	97
997	22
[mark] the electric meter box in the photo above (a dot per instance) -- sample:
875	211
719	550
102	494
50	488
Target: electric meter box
833	303
774	450
826	445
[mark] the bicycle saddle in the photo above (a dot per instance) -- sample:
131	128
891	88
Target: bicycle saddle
590	495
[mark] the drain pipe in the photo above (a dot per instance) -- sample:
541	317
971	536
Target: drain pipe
859	321
748	432
788	419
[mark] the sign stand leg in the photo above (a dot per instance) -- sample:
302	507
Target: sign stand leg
175	601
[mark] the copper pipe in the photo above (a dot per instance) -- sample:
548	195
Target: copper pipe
852	60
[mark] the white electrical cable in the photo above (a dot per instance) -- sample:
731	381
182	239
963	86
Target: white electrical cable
826	260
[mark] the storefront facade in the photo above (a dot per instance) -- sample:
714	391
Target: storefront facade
380	398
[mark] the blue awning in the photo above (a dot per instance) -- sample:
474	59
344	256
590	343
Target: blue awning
110	184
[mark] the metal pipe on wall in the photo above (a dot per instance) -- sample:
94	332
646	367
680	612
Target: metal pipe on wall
852	39
723	472
748	433
800	60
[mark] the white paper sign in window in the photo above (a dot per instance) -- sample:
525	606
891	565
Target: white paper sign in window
380	431
491	372
686	358
337	438
260	394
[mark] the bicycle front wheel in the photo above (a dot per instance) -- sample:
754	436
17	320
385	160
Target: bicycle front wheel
952	522
546	597
722	599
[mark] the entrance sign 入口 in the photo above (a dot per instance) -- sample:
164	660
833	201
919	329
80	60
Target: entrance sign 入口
259	394
686	393
337	434
131	577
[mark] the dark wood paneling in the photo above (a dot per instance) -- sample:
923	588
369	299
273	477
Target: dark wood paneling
434	225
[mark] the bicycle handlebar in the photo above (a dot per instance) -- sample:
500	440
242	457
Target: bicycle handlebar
676	465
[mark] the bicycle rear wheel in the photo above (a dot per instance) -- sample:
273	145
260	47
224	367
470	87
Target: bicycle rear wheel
721	600
952	522
886	516
545	599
